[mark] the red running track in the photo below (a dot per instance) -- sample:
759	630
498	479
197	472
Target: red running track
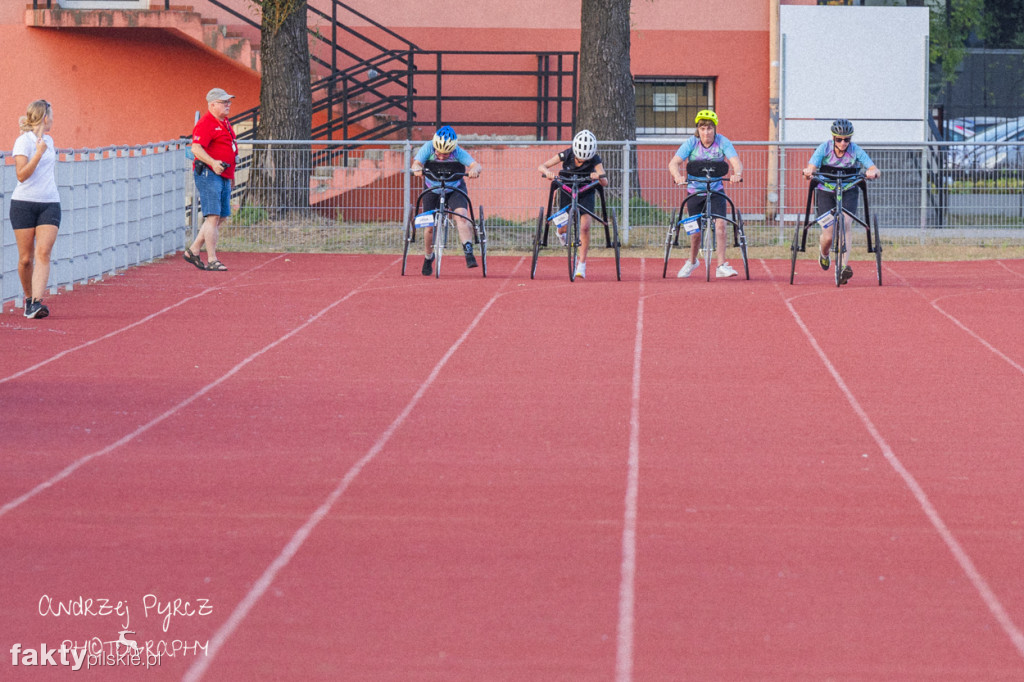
352	475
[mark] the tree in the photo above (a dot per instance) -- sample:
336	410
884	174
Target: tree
607	100
951	23
279	181
607	103
1004	27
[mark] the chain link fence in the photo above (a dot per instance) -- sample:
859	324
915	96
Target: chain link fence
123	206
360	194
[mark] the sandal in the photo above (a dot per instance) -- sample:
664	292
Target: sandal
194	259
217	265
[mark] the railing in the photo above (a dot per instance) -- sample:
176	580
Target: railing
374	83
362	205
121	206
127	205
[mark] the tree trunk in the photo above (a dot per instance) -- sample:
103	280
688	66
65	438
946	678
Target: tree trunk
279	181
607	105
607	98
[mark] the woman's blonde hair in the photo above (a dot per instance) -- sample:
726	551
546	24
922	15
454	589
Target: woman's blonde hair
34	115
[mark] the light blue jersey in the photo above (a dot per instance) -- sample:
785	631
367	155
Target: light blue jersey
426	153
693	150
825	155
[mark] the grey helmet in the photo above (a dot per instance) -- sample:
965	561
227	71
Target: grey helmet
842	128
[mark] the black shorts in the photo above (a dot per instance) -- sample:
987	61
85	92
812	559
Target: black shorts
695	204
452	200
586	199
28	215
826	201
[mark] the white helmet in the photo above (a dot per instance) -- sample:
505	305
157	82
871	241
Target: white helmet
584	145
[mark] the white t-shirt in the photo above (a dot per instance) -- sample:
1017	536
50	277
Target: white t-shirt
41	186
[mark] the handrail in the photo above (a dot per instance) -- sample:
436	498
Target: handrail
385	79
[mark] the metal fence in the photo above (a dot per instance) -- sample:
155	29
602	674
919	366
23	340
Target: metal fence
360	194
124	206
121	206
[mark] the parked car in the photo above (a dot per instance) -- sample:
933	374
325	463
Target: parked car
1000	145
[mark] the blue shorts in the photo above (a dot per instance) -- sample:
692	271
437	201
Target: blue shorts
28	215
214	193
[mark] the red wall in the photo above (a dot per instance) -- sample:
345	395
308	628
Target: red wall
129	86
112	86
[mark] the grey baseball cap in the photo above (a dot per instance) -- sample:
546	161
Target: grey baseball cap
217	94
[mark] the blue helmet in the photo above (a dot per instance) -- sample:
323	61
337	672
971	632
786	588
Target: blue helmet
445	140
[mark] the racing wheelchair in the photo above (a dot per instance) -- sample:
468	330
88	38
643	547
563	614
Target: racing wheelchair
838	181
705	174
447	175
574	184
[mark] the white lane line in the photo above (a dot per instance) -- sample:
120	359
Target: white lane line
977	337
627	584
82	461
259	588
995	607
144	320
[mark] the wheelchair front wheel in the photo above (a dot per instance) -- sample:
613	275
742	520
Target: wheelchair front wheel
572	244
670	239
481	235
707	244
409	235
839	247
878	250
795	248
617	245
741	239
538	235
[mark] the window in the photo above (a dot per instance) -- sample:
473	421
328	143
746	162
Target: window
666	106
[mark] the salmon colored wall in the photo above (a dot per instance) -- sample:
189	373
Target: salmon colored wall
112	86
128	86
738	59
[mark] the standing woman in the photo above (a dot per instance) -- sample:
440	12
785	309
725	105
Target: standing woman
35	204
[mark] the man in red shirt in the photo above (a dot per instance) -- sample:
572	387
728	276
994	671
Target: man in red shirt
215	151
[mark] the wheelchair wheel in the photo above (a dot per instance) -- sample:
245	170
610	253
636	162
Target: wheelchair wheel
481	235
440	240
617	245
839	247
408	235
669	242
795	248
741	238
572	244
707	243
878	250
538	235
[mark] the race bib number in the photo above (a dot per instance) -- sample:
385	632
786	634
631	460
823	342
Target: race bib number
425	219
560	219
691	224
825	220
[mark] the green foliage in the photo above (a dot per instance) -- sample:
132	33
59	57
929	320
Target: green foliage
250	215
950	25
642	212
276	12
988	185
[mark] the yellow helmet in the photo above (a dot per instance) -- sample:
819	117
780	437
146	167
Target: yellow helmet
706	115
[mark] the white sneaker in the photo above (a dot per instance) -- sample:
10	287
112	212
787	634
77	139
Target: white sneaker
688	267
725	270
561	237
581	270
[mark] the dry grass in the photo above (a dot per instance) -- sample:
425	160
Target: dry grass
368	239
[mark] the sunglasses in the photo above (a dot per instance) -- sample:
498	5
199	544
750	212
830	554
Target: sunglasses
841	139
